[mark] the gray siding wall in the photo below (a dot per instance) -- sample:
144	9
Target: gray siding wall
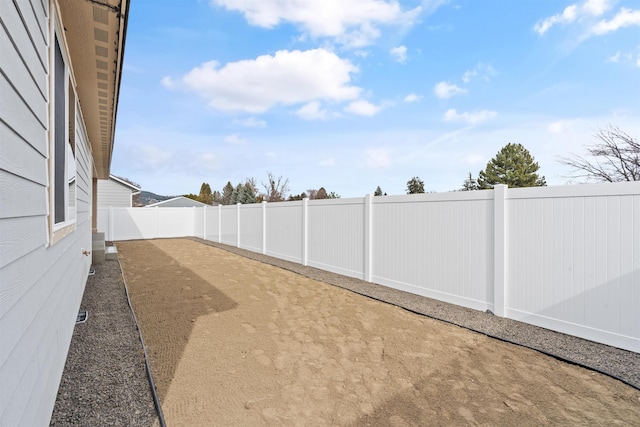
41	286
111	193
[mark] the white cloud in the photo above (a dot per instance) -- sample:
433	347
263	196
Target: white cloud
597	7
473	118
584	14
361	53
468	75
624	18
615	57
568	15
234	139
377	158
485	71
626	57
286	78
446	90
312	111
251	122
168	82
354	23
412	97
362	108
559	126
328	163
153	156
473	159
399	53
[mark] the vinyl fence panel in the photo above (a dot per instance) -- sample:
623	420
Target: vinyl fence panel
284	230
229	227
175	222
336	236
436	245
150	223
102	221
212	224
133	223
198	221
251	232
574	260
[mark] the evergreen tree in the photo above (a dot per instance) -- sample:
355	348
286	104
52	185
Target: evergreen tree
206	196
513	166
239	194
415	186
251	186
234	196
378	191
227	191
469	184
217	197
249	194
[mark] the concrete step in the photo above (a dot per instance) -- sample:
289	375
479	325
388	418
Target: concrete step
111	253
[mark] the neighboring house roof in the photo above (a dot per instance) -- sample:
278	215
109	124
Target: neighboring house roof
178	202
134	189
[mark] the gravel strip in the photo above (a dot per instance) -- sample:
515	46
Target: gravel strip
615	362
104	380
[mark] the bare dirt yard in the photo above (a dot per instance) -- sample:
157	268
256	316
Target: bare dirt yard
234	341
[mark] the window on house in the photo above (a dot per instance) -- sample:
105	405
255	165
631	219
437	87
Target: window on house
63	158
71	157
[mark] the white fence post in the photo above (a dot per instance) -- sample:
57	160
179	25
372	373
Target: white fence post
220	223
238	228
305	230
367	237
157	221
499	249
264	226
204	223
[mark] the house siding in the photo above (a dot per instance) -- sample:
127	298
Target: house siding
111	193
41	285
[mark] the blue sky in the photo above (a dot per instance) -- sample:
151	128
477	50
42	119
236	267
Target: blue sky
350	95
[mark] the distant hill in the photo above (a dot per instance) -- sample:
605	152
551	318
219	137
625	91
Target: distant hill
147	197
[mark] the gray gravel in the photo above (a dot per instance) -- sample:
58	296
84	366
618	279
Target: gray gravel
104	382
617	363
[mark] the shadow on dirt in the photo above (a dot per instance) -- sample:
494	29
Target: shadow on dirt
168	298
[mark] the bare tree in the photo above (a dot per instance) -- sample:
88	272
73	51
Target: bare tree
275	188
615	158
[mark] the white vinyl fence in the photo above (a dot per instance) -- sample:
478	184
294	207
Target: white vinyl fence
565	258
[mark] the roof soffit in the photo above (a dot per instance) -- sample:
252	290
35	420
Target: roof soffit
95	34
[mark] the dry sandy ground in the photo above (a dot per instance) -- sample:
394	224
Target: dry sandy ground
237	342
